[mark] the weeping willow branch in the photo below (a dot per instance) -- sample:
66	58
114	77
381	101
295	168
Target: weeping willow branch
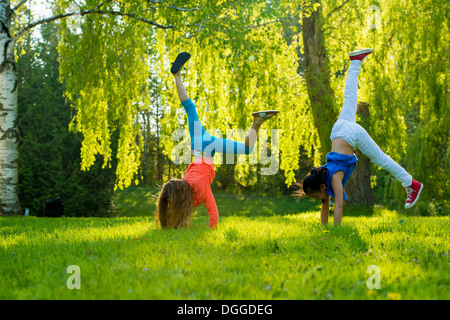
19	5
336	9
87	12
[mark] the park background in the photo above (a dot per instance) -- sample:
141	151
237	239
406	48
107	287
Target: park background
97	107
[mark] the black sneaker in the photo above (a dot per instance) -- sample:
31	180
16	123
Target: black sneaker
179	61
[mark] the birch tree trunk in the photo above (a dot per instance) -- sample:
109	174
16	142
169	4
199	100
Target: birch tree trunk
9	137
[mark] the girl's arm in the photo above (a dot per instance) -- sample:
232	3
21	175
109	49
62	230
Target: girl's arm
324	210
210	204
336	184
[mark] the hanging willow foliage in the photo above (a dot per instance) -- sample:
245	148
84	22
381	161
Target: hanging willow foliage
229	78
236	69
243	60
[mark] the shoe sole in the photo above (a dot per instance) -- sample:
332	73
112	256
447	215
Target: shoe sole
180	60
264	114
417	198
360	51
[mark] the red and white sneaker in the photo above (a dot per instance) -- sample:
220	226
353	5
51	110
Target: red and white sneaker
413	191
360	54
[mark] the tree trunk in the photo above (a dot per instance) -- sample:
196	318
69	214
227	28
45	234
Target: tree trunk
358	187
159	165
317	74
321	97
9	137
146	152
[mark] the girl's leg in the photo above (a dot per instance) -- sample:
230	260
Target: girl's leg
227	146
182	93
362	139
199	137
201	140
232	147
349	107
368	147
374	153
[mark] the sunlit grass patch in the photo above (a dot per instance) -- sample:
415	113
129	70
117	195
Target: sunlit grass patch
282	255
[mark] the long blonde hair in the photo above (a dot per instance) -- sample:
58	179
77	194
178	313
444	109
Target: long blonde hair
175	204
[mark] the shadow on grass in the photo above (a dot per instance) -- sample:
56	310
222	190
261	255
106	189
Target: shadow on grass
33	232
312	240
137	201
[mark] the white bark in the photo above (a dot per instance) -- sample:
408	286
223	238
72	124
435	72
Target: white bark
9	138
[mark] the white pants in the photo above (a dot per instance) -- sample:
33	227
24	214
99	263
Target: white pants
347	129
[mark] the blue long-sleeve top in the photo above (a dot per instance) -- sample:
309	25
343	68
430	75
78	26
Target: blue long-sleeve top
339	162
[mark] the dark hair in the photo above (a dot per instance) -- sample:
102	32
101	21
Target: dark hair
314	179
175	204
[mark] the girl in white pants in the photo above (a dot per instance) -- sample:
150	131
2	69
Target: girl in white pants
346	135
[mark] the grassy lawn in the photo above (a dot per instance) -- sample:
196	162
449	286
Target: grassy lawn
264	248
142	202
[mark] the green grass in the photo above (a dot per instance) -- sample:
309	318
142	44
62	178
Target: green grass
263	248
142	202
